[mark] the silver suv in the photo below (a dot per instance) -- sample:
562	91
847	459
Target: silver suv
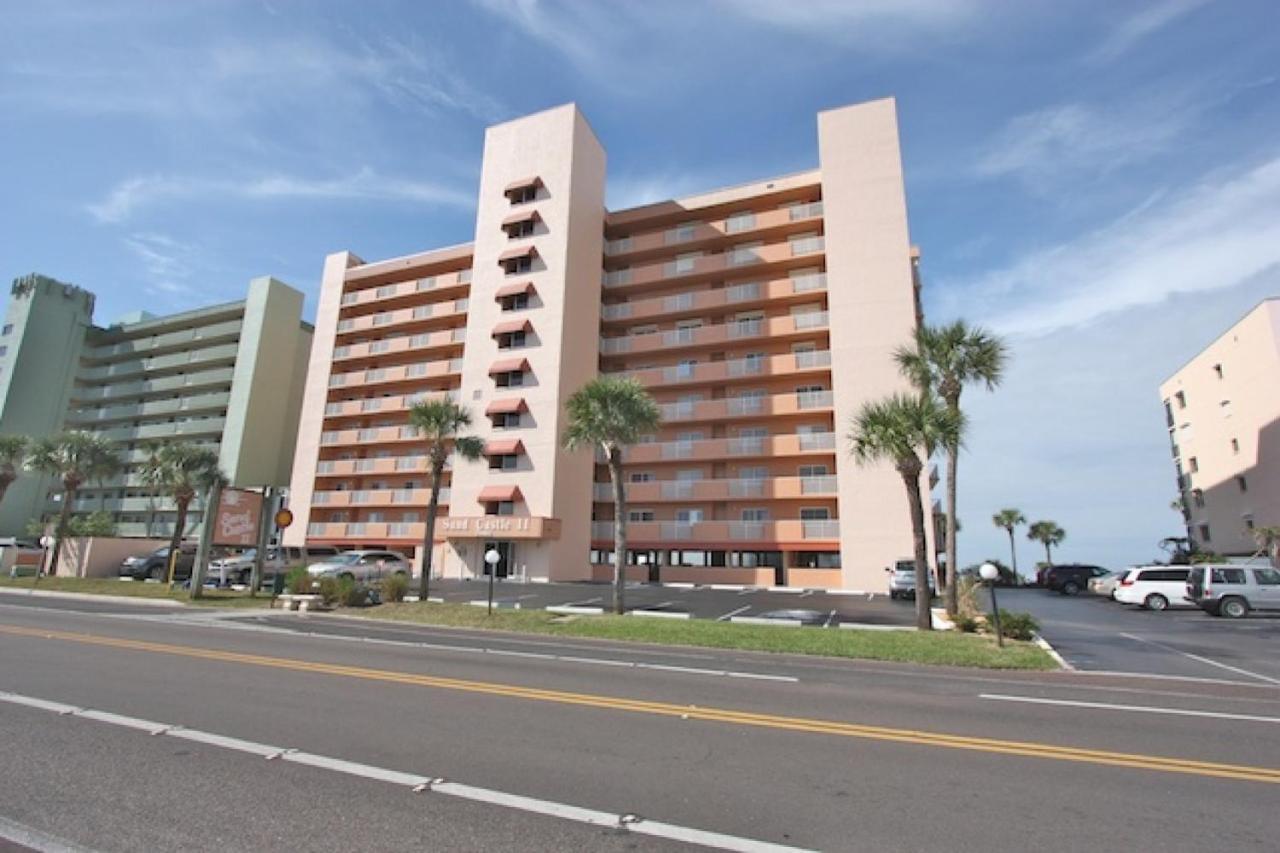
1233	590
902	580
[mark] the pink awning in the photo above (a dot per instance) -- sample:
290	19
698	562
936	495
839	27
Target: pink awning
490	494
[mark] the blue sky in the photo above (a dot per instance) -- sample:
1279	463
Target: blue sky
1098	181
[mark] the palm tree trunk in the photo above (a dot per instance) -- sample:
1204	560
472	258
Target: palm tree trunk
924	619
429	535
64	516
6	480
1048	555
953	458
175	539
1013	554
619	531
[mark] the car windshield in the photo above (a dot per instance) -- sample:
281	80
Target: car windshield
348	559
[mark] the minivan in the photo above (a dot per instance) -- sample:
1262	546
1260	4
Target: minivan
1154	587
1233	590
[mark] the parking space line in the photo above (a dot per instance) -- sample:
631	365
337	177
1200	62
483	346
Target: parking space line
726	617
1204	660
1146	709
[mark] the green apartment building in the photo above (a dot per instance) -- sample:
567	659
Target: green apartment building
229	376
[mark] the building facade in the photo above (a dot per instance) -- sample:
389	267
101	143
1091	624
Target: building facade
1222	410
228	376
761	317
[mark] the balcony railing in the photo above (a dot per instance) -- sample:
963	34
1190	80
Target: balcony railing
806	211
713	371
723	448
703	300
714	532
768	488
807	245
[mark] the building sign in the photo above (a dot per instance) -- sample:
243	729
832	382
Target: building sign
236	522
500	527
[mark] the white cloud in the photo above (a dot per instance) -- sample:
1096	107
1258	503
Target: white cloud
363	185
1138	26
167	262
840	20
1202	238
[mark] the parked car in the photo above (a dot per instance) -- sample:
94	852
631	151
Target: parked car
1232	590
1155	587
238	568
363	566
1105	585
1070	578
156	564
902	580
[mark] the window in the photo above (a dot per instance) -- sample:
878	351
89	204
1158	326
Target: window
640	515
815	513
1248	522
1182	399
523	228
4	350
1193	465
519	302
740	222
684	263
8	327
813	471
1242	483
1225	408
641	477
1217	369
755	514
1235	445
1267	577
511	340
817	559
1197	496
1204	533
506	420
1226	576
504	462
515	266
513	379
524	195
689	516
500	508
682	233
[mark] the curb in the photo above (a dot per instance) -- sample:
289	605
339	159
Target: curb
658	614
572	609
1053	653
87	596
758	620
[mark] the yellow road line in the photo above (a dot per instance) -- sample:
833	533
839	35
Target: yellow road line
692	712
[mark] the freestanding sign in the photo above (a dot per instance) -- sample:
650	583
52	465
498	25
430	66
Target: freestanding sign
237	519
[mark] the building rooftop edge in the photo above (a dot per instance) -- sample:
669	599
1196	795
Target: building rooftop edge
1217	338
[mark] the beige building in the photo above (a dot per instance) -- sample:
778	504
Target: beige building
759	316
228	376
1222	410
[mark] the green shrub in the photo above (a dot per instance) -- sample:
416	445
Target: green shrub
395	588
1018	626
297	581
966	623
330	589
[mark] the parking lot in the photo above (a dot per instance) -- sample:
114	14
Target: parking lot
811	607
1093	633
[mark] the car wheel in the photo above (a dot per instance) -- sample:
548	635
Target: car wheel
1071	588
1233	608
1156	601
893	595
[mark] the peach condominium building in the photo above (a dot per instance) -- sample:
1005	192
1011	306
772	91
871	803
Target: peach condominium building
760	317
1223	416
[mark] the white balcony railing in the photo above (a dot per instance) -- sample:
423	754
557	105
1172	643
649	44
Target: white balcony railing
806	246
806	211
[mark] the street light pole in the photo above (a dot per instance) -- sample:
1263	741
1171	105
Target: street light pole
491	557
989	574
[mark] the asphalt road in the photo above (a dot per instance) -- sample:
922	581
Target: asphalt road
1093	633
820	754
700	602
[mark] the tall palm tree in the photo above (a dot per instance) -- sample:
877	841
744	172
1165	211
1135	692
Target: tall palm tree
181	470
440	422
12	450
74	457
945	359
1048	534
899	430
611	413
1009	519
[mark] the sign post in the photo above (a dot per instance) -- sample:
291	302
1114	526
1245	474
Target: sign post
264	534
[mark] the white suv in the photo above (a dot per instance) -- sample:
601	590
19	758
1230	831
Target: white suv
1155	587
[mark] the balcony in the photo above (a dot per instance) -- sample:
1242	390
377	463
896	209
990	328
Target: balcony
449	310
746	406
734	226
412	531
401	464
207	357
202	427
710	372
419	343
701	301
724	534
151	408
213	333
730	448
770	327
401	373
709	266
399	290
385	405
369	435
416	498
769	488
162	385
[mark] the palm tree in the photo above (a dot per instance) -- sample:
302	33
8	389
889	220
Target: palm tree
12	449
440	422
1267	539
181	470
74	457
944	360
1048	534
898	430
1009	519
611	413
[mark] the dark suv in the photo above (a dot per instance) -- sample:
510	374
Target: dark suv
1071	578
156	564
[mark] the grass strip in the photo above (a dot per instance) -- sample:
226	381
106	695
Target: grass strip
939	648
138	589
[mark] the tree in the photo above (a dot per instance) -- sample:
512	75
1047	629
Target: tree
944	360
898	430
440	422
74	457
1268	540
1009	519
12	450
1048	534
181	470
612	413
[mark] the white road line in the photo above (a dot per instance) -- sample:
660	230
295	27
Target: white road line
1204	660
1043	644
27	836
1146	709
733	613
1159	677
762	677
410	782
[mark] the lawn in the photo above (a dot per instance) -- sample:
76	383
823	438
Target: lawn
943	648
137	589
